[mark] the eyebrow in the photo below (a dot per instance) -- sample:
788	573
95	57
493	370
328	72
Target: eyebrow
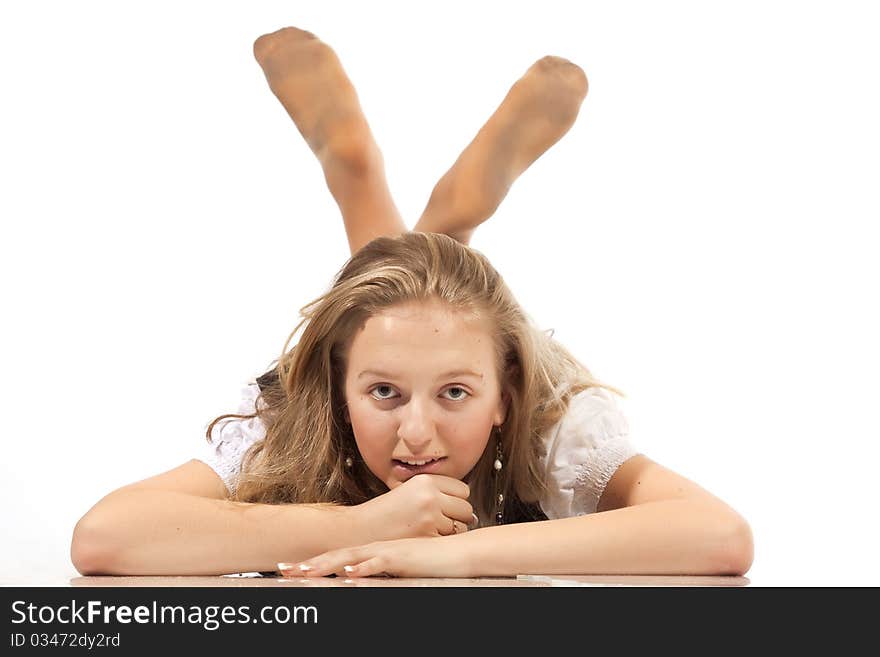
445	375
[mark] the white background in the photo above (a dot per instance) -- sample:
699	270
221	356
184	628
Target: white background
703	238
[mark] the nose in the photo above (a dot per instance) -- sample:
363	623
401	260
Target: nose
417	429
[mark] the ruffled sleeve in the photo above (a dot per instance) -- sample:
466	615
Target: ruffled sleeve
231	438
584	450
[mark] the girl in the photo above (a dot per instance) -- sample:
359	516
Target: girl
421	426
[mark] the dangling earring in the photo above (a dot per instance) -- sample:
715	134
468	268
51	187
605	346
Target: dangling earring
498	465
348	460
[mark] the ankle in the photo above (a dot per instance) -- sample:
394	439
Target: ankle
456	209
350	153
430	222
353	174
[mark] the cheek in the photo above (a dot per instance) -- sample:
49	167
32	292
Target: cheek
468	441
370	442
373	437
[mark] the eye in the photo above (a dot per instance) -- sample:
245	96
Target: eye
458	388
457	397
382	386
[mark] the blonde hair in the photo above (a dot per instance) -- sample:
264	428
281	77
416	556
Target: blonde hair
302	457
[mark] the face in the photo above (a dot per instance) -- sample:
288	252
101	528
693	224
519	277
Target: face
409	397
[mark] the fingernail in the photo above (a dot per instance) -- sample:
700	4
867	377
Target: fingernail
284	566
348	569
475	520
304	567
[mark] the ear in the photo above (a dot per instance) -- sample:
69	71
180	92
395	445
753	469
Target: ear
501	411
504	402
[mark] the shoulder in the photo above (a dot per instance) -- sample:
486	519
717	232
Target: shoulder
245	405
583	451
598	409
593	417
232	437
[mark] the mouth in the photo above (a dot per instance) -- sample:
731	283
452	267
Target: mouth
407	468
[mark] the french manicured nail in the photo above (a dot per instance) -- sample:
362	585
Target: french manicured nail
348	569
284	566
303	567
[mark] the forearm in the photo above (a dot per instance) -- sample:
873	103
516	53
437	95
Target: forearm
672	537
149	532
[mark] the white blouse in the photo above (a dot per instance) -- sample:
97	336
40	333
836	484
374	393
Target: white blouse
584	450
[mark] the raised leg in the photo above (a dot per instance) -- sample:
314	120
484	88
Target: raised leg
307	77
537	111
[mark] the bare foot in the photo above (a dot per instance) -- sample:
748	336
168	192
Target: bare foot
537	111
307	77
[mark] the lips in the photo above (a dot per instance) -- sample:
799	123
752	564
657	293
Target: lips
401	468
416	462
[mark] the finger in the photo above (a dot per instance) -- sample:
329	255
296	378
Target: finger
368	568
450	485
324	564
446	527
298	570
453	527
457	509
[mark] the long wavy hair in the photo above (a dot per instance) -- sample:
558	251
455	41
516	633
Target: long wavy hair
301	402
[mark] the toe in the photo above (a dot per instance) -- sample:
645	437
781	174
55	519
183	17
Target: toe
266	43
572	74
262	46
295	33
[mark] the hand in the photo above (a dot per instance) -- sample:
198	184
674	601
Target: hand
406	557
426	505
